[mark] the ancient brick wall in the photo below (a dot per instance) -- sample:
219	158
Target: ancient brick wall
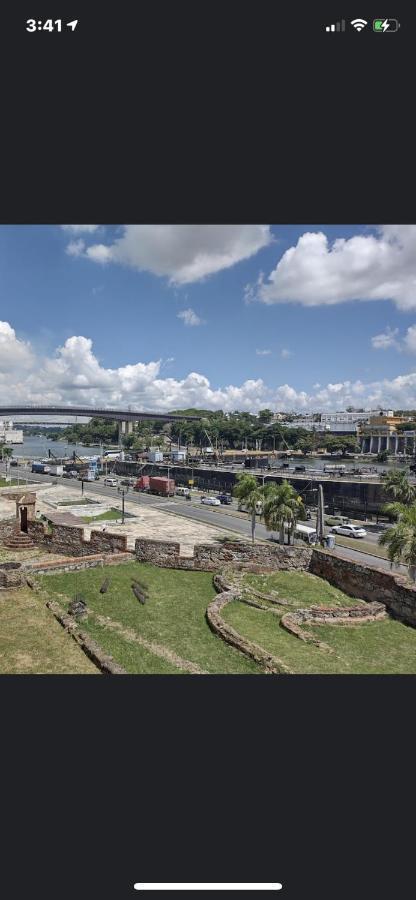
368	583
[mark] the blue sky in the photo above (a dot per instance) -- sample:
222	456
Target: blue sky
264	315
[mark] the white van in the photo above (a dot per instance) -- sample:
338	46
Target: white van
182	492
110	482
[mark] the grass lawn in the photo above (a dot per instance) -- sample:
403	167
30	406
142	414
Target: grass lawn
173	617
4	483
105	516
385	647
32	642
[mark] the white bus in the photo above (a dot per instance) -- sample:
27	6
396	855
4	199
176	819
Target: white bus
306	534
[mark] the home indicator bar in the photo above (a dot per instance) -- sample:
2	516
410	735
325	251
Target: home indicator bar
210	886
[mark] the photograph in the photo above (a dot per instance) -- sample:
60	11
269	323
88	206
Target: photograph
208	449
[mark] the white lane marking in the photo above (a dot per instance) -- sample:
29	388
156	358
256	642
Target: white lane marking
210	886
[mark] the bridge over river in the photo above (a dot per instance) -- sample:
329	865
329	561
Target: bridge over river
125	417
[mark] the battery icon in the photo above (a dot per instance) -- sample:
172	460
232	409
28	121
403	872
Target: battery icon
383	25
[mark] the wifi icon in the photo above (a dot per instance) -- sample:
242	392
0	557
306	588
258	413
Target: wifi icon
359	24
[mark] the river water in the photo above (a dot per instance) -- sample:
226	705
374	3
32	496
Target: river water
36	447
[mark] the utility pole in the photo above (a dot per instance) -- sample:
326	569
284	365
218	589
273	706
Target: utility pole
82	487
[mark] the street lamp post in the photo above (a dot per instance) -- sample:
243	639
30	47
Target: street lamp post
122	492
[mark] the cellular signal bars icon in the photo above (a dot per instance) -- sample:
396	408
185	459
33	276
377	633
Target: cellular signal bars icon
339	26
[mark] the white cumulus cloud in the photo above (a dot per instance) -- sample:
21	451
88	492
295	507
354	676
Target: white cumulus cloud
182	253
386	339
73	375
285	353
263	352
315	272
189	317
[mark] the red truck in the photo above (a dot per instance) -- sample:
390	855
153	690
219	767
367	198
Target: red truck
163	486
142	483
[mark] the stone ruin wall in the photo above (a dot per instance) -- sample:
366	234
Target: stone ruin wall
211	557
70	540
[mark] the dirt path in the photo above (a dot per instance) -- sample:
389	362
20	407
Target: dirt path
157	649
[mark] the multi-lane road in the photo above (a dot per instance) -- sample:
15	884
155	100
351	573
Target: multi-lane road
226	517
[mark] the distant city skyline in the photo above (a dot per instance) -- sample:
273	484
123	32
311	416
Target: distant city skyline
307	318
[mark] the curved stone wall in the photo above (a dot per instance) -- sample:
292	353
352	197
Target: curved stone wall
271	664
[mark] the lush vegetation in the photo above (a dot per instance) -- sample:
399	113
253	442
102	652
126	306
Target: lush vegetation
218	429
384	647
282	509
97	431
279	503
173	617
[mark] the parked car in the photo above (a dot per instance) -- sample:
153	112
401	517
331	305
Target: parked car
225	498
211	501
354	531
110	482
337	520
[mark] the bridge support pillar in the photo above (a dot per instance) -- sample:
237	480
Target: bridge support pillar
124	428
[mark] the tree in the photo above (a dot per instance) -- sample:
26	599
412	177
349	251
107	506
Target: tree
249	492
6	452
282	506
265	416
382	456
341	445
398	487
400	539
305	444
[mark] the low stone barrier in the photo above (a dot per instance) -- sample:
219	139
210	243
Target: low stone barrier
102	660
369	583
70	540
271	664
211	557
73	564
330	615
11	575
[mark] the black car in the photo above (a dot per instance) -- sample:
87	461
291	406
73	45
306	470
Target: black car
225	498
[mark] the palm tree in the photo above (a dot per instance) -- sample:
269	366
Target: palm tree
400	539
282	505
249	492
397	486
6	452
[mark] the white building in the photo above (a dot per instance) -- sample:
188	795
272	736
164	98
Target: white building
350	418
10	435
